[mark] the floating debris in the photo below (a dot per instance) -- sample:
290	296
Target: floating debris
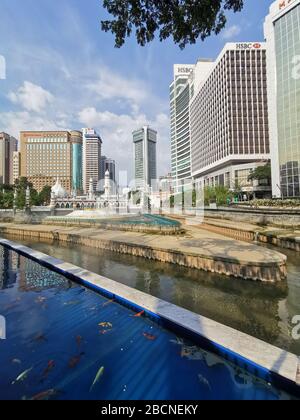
16	361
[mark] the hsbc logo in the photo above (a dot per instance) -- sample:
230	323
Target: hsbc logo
185	70
249	46
285	3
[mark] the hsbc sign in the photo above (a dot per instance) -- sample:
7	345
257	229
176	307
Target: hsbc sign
249	46
282	4
184	70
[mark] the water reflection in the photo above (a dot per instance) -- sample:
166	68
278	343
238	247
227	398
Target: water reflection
29	275
9	263
262	310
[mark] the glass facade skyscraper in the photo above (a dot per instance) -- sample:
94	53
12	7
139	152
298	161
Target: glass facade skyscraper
282	32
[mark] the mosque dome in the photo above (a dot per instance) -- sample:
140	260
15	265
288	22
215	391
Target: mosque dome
58	190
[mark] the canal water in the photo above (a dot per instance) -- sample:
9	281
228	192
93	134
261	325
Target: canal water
262	310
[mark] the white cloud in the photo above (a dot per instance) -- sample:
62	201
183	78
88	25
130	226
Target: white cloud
31	97
111	86
14	122
231	32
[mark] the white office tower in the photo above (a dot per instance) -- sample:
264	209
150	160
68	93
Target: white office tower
229	119
145	141
282	33
91	155
181	92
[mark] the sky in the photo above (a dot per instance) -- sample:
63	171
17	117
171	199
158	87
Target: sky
63	72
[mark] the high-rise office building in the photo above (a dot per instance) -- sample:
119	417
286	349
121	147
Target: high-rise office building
107	164
50	155
282	33
181	92
180	126
145	156
229	118
8	145
16	166
92	144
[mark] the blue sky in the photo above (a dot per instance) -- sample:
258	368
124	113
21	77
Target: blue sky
64	73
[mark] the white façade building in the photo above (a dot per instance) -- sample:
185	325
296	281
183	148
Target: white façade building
181	92
282	33
180	123
229	119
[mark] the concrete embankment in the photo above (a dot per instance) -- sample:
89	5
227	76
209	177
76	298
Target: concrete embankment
197	249
282	238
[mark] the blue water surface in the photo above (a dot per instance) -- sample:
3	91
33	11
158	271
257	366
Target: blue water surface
61	335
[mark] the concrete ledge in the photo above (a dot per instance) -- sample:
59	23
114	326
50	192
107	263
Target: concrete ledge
249	233
125	227
273	364
198	250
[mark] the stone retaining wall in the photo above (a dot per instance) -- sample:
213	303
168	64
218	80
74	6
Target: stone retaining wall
271	238
126	227
268	272
263	217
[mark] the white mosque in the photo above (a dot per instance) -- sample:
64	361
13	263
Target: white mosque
105	203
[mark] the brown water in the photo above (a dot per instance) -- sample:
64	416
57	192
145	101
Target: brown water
261	310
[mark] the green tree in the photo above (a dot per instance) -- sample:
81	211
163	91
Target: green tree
185	20
45	196
262	173
222	195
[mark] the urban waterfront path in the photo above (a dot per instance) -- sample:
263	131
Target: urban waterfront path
198	248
